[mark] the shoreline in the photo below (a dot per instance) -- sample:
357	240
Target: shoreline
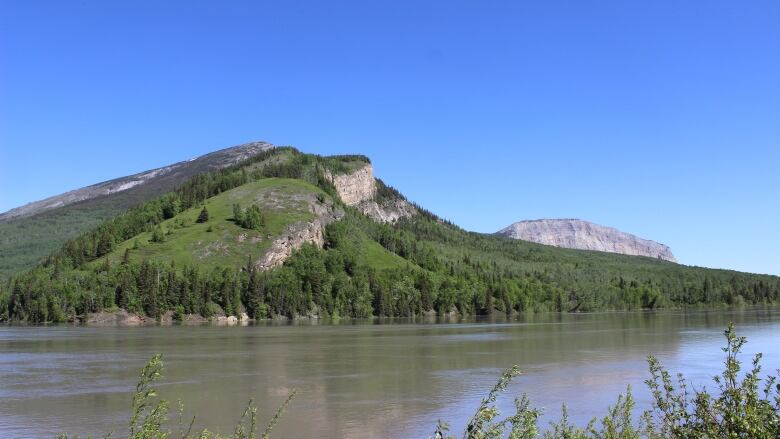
123	318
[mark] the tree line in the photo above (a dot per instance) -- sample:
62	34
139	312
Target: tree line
338	281
445	270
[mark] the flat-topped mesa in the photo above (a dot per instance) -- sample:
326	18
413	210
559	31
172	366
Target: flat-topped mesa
584	235
358	189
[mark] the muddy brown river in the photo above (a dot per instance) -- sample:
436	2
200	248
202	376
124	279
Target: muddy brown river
358	379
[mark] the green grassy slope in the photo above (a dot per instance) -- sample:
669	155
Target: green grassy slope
220	241
379	258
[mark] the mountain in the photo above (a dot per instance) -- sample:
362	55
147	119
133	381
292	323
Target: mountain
584	235
292	214
155	181
287	234
30	232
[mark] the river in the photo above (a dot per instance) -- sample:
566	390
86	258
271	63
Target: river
359	379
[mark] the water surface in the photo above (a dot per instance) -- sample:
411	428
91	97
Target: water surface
357	380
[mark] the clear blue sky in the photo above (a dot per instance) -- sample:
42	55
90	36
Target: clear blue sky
658	118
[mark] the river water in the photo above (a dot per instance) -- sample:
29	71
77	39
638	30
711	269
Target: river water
361	379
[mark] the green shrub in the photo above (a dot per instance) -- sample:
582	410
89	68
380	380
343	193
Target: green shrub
742	408
212	309
149	414
249	218
178	313
158	235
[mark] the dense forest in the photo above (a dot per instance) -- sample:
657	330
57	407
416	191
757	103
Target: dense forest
419	266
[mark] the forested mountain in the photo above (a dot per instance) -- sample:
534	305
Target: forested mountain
30	232
288	234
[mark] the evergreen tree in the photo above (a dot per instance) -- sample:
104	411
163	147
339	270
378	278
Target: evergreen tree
122	293
149	286
104	245
203	216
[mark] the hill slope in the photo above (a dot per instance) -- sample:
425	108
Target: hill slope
291	211
30	232
155	181
328	239
584	235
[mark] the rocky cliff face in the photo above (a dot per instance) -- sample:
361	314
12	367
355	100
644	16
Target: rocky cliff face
300	233
355	187
583	235
388	211
358	189
160	180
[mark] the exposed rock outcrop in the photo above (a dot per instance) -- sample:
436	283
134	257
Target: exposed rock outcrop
300	233
389	211
119	317
583	235
355	187
359	189
226	320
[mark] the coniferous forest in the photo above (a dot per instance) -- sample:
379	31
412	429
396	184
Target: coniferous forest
421	265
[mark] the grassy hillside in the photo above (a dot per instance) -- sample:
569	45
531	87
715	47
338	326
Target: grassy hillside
220	241
157	257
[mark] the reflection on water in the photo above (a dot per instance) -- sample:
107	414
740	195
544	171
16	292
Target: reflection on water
358	379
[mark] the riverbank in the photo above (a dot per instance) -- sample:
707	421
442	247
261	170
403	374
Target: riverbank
122	318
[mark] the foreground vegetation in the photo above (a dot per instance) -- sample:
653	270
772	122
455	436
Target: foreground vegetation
743	407
144	261
149	414
746	405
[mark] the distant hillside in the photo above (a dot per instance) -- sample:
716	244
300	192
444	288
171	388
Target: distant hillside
157	180
30	232
584	235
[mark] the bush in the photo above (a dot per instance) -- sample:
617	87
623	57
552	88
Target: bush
149	414
178	313
158	235
249	218
742	408
211	309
